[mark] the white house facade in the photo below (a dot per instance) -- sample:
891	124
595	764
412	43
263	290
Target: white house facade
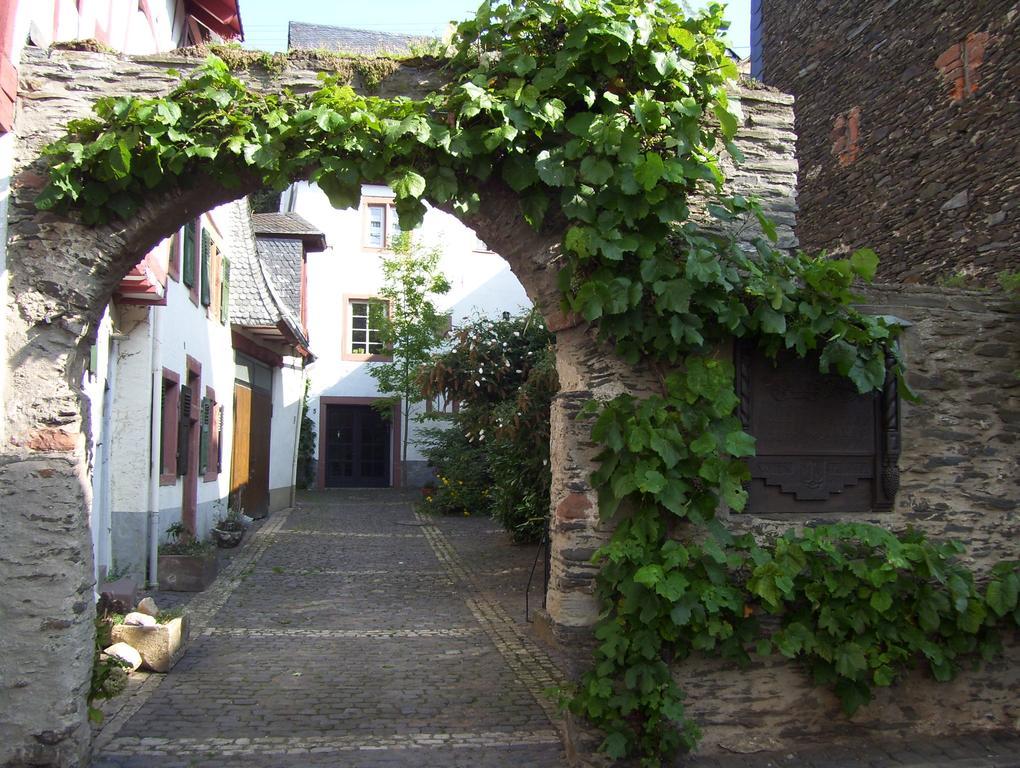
356	446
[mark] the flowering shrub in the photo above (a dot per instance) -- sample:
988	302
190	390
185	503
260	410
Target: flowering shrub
494	457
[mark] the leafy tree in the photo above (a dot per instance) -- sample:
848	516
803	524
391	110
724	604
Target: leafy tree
494	457
412	328
306	445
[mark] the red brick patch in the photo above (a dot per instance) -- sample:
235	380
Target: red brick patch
960	65
845	134
52	440
574	506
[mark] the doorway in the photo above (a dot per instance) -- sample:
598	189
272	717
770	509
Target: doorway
356	442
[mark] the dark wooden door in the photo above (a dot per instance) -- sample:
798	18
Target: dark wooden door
249	470
357	447
821	446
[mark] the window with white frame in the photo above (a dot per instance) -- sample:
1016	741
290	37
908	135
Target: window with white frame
382	225
366	321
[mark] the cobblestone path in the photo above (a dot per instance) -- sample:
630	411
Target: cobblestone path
352	632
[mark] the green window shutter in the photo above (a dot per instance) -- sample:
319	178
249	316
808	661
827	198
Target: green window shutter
184	430
205	287
204	436
188	268
225	293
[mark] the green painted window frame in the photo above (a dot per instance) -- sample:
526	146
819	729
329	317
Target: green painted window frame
206	288
188	255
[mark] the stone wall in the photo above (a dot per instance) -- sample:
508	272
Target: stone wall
587	370
958	481
62	275
908	126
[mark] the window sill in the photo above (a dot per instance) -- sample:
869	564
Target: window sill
167	480
350	357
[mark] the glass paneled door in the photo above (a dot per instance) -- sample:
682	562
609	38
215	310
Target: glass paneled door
357	447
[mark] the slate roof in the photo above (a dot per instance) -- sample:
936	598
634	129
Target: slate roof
282	257
256	290
289	225
250	299
348	40
281	224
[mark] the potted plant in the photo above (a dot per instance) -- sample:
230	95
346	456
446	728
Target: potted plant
229	530
185	564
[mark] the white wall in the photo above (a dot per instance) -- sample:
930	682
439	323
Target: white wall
288	390
117	23
482	284
187	331
96	385
129	446
184	329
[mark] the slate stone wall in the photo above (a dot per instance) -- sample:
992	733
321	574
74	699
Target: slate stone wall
908	123
958	480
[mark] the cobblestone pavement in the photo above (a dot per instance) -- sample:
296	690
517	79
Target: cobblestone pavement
350	631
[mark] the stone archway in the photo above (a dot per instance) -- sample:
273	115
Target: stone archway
63	274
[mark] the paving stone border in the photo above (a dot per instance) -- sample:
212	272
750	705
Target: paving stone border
380	634
531	665
287	745
351	535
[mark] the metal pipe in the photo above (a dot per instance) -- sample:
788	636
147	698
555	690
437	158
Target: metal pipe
155	441
297	433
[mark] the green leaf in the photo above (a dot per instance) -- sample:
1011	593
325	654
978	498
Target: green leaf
408	184
552	170
524	64
596	170
739	443
649	575
881	601
850	660
651	481
533	206
615	745
864	263
519	172
648	170
673	586
727	120
119	160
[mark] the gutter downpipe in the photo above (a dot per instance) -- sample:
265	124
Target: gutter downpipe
297	435
155	441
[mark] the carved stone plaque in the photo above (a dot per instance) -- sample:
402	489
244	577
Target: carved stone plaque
821	446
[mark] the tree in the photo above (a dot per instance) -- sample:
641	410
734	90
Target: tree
412	328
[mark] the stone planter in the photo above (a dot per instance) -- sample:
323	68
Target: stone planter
160	646
228	537
187	573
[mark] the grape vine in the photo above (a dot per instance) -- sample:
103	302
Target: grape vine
607	117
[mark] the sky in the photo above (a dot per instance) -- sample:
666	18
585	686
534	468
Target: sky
265	21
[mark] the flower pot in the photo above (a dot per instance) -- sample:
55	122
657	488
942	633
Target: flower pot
228	537
160	646
187	573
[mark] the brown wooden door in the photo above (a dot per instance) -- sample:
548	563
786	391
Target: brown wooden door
249	470
242	439
258	453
